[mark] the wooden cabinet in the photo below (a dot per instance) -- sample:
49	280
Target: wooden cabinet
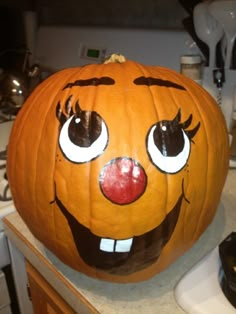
44	297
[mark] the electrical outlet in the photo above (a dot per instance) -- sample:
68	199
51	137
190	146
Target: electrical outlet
92	52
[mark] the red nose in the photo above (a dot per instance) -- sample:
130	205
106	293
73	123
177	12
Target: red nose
123	180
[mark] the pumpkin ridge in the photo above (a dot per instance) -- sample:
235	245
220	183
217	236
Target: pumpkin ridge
147	72
41	139
24	113
167	176
92	165
208	156
203	128
207	136
37	159
178	106
207	167
177	76
170	92
61	97
157	119
128	113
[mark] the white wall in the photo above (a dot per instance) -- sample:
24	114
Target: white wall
59	47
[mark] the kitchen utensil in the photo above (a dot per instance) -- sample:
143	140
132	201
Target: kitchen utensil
189	27
225	12
207	29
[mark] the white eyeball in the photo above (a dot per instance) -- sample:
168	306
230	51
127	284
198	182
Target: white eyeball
172	151
82	140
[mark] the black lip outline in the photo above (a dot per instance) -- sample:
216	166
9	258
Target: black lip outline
145	249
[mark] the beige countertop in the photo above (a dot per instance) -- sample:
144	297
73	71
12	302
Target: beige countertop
87	295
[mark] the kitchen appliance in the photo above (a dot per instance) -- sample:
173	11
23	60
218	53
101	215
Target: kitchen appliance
5	196
6	206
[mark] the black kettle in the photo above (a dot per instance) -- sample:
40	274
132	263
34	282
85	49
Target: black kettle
227	253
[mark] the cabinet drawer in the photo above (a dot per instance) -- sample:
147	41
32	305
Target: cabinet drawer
45	299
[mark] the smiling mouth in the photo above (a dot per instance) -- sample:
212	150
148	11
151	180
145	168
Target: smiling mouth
122	256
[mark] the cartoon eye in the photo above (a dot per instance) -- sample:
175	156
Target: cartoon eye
169	144
83	137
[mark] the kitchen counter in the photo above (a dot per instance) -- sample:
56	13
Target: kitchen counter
87	295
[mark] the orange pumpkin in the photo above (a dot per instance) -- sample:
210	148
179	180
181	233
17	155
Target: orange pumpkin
118	168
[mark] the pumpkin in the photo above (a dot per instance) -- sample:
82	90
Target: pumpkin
118	168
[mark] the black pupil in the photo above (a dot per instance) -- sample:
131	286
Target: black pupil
85	128
168	138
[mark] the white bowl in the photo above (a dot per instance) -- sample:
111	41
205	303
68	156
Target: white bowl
199	291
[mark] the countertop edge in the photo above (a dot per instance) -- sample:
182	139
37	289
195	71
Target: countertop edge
76	300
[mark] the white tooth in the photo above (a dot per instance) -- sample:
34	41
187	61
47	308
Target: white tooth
107	245
110	245
123	245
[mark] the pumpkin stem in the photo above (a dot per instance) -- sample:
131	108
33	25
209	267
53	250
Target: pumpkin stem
115	57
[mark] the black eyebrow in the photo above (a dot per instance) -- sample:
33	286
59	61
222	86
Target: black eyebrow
142	80
94	81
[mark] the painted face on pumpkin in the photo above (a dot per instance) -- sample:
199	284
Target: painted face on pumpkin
84	137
